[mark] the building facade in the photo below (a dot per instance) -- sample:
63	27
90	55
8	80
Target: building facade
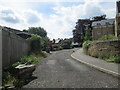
117	20
109	26
101	28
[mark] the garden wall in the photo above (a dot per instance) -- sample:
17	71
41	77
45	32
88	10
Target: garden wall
105	48
0	58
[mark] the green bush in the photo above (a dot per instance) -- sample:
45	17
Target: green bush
107	37
16	64
33	58
85	45
7	78
36	43
56	47
113	59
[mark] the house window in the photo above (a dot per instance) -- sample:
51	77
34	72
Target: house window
98	24
107	23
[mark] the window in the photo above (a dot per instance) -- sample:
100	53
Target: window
98	24
107	23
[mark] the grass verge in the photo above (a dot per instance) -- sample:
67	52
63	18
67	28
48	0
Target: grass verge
9	78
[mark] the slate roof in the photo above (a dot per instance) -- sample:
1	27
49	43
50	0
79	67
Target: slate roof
103	22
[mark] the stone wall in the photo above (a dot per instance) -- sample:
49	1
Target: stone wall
100	31
105	48
13	47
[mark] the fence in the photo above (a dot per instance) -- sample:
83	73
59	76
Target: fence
0	58
13	47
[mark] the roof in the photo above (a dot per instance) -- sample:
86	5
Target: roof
25	33
10	29
103	22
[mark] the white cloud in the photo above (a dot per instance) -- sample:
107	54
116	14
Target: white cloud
58	0
92	9
8	15
59	24
110	13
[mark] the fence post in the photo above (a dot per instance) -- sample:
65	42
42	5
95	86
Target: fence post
0	57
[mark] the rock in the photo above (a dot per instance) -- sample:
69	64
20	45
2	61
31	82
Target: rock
25	71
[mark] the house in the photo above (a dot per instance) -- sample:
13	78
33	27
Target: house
117	20
108	26
103	27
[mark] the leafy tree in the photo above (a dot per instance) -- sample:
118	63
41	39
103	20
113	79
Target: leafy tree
87	35
45	42
53	40
36	43
37	30
67	43
98	18
24	30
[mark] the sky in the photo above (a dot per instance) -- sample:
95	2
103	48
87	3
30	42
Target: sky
57	17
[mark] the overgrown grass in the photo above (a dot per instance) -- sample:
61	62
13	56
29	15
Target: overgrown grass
7	78
113	59
107	37
31	59
10	79
85	45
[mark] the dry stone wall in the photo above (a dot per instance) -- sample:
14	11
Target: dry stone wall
105	48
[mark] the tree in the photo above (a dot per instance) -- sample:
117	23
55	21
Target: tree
87	35
37	30
45	42
67	43
40	32
36	43
98	18
24	30
53	40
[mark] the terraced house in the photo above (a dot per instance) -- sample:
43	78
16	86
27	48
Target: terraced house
108	26
103	27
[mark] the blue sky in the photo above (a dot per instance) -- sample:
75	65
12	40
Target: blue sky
58	17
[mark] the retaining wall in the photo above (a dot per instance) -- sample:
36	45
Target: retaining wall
105	48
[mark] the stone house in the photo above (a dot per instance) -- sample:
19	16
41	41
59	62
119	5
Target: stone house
117	20
103	27
108	26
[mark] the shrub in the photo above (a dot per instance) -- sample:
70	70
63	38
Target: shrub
16	64
33	58
36	43
7	78
106	37
85	45
56	47
113	59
